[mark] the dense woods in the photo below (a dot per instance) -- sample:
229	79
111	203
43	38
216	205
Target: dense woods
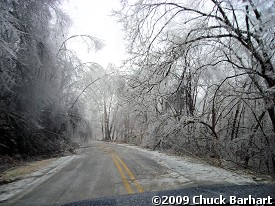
199	80
39	81
202	80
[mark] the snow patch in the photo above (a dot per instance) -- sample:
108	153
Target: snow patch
186	169
30	181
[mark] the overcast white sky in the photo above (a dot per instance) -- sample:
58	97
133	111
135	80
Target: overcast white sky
93	17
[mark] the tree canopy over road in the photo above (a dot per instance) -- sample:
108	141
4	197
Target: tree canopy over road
199	80
40	78
203	77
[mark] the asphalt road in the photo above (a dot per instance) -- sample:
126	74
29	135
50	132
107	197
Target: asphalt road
102	169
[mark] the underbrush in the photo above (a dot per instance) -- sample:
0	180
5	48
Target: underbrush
22	140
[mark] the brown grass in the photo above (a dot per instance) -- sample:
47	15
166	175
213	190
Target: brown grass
21	171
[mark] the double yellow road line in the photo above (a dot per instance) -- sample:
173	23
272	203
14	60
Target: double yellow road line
125	181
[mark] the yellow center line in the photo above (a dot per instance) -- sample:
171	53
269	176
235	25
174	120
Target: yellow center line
140	189
123	177
126	183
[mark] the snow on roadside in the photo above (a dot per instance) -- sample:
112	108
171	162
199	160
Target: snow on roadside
195	172
7	191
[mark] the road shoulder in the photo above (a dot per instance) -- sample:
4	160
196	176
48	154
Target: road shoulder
200	171
23	179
